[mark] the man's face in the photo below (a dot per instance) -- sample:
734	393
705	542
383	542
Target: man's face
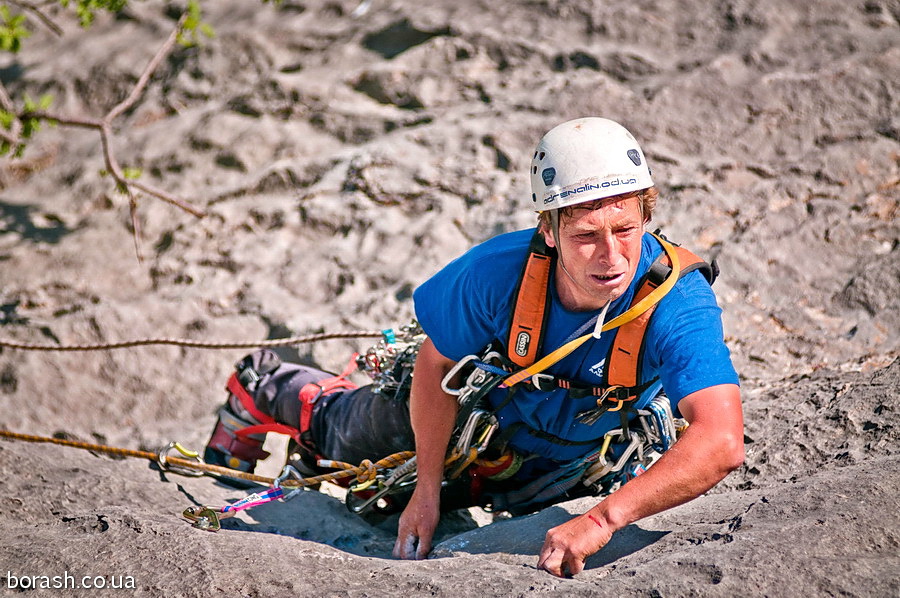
600	249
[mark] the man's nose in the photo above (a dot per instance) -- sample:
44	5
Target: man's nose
605	250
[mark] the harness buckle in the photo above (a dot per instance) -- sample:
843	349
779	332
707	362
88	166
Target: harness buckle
615	394
311	393
248	377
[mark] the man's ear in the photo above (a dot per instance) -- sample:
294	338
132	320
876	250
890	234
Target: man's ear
548	236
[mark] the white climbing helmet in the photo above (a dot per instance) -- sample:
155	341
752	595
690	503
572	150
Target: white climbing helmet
583	160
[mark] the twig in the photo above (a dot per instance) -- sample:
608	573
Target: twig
14	136
43	18
148	72
168	198
5	101
135	225
69	121
12	140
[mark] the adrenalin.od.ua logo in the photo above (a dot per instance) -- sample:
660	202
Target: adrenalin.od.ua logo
589	187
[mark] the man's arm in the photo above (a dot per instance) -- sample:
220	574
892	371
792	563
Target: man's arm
710	448
433	416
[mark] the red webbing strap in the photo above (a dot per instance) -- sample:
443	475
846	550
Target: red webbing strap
312	392
624	357
528	316
235	387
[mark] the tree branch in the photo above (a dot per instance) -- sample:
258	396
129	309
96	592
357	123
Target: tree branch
42	17
12	140
14	136
67	121
104	127
148	72
168	198
5	101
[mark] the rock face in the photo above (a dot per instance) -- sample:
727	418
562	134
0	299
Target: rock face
343	152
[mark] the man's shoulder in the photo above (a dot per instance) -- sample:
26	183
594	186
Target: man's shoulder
505	246
499	259
691	291
491	267
466	304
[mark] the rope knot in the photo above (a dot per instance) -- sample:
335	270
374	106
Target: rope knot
367	472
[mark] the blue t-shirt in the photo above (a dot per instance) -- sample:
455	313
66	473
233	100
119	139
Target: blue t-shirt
468	304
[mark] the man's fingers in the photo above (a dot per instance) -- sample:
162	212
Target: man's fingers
560	562
573	566
405	547
423	548
551	561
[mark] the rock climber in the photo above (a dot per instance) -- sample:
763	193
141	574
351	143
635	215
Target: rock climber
594	195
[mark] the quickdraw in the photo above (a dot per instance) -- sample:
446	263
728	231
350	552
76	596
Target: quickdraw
475	427
643	445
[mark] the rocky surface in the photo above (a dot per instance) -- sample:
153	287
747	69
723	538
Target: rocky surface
343	152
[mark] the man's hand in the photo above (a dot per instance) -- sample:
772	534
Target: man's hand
568	545
416	528
432	413
708	449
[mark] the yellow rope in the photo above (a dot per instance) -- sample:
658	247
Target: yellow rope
634	312
364	471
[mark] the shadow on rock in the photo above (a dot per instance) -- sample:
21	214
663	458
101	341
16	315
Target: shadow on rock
317	517
20	219
525	536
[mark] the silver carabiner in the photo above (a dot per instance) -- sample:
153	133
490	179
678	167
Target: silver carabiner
445	383
163	461
289	471
468	431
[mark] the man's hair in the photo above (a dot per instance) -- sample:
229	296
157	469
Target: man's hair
647	203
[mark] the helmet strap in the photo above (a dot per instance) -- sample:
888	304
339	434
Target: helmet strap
554	227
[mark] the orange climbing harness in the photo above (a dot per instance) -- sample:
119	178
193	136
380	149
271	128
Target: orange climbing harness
623	362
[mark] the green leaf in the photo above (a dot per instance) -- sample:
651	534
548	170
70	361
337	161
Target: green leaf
87	9
132	173
193	24
30	126
12	30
